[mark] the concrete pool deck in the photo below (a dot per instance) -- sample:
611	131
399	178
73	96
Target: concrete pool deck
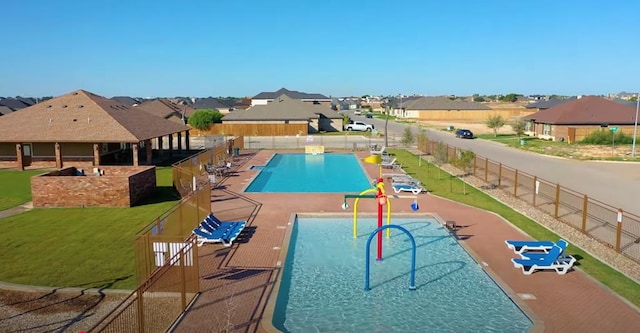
236	282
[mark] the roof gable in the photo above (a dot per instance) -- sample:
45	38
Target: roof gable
165	108
212	103
81	116
13	104
441	103
290	93
282	108
589	110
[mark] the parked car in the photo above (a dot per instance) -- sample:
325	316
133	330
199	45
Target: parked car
359	126
357	112
464	134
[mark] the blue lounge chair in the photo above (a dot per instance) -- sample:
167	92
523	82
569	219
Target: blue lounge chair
522	246
217	231
553	260
539	255
414	187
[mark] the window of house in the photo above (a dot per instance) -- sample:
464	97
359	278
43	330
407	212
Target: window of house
286	121
546	129
528	126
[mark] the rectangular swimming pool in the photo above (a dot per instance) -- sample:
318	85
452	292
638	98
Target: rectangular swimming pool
322	285
306	173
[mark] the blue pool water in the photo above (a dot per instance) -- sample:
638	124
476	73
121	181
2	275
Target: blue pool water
311	173
322	288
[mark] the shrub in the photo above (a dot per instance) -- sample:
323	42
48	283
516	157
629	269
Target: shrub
202	119
604	137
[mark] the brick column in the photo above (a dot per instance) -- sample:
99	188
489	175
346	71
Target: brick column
58	156
186	139
180	142
170	145
160	148
19	157
135	147
96	154
149	151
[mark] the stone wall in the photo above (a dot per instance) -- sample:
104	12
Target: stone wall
111	186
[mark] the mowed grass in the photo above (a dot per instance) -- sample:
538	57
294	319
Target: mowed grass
79	247
444	185
15	187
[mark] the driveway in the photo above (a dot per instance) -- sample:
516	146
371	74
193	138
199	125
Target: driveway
610	182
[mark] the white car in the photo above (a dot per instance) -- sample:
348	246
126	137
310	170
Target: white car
357	112
359	126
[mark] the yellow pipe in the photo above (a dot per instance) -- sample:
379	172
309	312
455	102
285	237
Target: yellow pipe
355	211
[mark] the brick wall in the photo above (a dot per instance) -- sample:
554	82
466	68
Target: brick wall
119	186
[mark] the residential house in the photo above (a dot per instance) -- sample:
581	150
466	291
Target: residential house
573	120
5	110
264	98
128	101
213	103
84	129
545	104
283	116
167	109
13	103
440	108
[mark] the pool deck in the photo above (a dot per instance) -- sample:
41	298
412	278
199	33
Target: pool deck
237	281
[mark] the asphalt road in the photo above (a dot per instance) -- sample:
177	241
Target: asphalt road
614	183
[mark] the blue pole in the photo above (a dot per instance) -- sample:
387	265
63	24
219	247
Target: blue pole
412	282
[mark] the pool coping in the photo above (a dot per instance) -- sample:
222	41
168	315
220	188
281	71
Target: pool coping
267	319
258	171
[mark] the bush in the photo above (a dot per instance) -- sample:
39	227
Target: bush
604	137
202	119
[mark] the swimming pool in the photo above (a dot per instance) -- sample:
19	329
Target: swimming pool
335	173
322	285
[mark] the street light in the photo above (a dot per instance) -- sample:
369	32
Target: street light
635	127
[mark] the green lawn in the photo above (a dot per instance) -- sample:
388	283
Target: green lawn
439	184
16	187
79	247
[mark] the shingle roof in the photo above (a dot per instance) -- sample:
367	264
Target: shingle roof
441	103
212	103
5	110
166	109
126	100
13	103
81	116
290	93
548	104
283	108
589	110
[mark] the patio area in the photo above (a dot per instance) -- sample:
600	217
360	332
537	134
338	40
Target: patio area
236	282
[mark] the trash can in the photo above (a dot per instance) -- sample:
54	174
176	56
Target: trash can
523	142
236	151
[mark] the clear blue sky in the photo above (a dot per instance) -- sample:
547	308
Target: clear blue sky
241	48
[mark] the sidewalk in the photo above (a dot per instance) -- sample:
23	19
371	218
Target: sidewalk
16	210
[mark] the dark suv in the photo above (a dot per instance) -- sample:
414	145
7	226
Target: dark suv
464	134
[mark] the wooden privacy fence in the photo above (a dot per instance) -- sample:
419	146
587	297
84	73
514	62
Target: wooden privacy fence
167	270
612	226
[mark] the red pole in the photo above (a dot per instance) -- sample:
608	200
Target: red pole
379	220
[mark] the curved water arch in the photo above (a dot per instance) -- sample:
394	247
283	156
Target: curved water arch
355	211
412	281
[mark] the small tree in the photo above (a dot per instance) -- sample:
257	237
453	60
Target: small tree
495	122
407	137
518	126
202	119
464	162
440	157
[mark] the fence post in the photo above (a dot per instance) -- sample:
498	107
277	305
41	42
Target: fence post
555	212
515	184
486	169
618	229
140	309
183	282
585	204
499	174
475	159
535	189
